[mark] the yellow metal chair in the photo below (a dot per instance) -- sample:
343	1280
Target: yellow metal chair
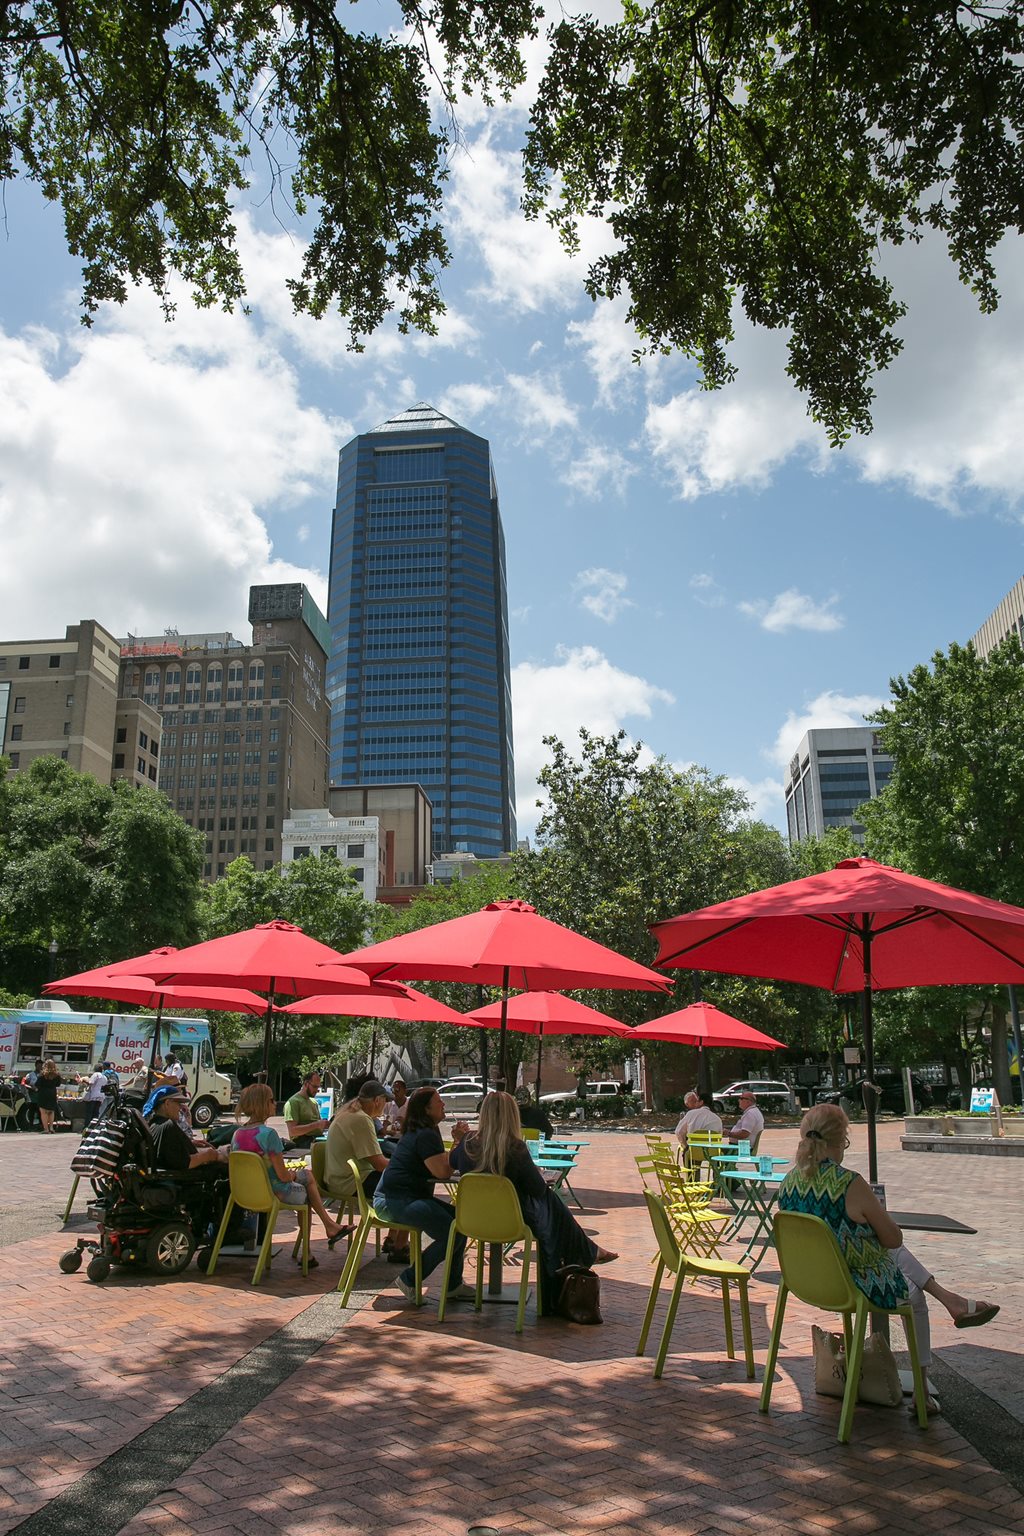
348	1205
487	1210
251	1189
530	1133
699	1147
813	1268
685	1266
688	1201
370	1221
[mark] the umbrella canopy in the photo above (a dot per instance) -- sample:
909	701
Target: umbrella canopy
543	1014
149	994
390	1000
546	1013
505	944
702	1024
858	926
272	957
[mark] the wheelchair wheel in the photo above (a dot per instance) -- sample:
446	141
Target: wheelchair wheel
170	1248
99	1269
71	1261
203	1258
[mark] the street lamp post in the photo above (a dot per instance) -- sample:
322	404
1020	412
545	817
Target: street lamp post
52	951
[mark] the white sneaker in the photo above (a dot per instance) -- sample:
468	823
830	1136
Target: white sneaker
461	1293
407	1288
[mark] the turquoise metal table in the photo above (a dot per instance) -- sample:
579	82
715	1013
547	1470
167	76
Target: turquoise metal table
758	1193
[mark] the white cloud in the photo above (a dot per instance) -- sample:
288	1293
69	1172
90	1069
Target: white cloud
706	590
540	404
793	610
603	593
581	687
829	711
766	796
527	268
469	403
608	342
593	469
139	463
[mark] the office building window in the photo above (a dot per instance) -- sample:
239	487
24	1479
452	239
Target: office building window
214	683
67	727
69	701
172	687
19	704
140	764
143	739
193	683
356	851
23	662
268	845
14	758
54	661
16	731
122	733
255	681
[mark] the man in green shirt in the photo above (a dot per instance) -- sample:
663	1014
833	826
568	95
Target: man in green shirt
302	1112
353	1134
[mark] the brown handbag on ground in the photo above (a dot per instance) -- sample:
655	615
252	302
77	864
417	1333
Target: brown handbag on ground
879	1376
579	1294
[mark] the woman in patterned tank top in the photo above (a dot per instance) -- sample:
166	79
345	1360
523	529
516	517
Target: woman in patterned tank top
872	1243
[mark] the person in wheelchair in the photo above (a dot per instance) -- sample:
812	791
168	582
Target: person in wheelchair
174	1150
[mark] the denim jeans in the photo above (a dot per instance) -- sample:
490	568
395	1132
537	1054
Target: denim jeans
434	1217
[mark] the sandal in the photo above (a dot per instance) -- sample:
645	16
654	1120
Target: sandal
341	1232
312	1264
977	1315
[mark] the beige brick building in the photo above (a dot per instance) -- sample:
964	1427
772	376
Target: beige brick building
59	698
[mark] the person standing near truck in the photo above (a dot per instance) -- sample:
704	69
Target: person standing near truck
48	1084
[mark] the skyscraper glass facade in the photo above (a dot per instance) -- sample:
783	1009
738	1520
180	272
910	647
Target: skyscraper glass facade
418	678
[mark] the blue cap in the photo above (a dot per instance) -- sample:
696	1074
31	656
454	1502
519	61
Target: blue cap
157	1097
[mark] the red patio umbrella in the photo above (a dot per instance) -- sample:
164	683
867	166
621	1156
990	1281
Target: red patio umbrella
859	926
275	957
702	1024
544	1014
506	944
123	988
396	1002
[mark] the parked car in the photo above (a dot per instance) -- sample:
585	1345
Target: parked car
462	1094
568	1098
772	1096
891	1101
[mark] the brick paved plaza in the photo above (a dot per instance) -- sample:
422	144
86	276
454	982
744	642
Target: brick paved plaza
304	1420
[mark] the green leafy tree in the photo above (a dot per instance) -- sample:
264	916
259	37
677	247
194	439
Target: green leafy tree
106	871
953	809
759	152
749	152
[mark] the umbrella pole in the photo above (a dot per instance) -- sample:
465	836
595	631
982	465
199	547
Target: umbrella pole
502	1075
1015	1026
870	1096
483	1041
153	1048
540	1055
268	1025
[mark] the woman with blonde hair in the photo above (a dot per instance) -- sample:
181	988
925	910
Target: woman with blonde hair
291	1186
497	1146
872	1243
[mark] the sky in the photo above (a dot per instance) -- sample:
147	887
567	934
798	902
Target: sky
698	569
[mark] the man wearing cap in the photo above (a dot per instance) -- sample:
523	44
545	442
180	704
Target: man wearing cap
353	1134
750	1123
176	1152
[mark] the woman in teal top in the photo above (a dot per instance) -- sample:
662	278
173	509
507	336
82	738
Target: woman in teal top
872	1243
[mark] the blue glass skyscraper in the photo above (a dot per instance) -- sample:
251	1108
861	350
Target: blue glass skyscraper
418	676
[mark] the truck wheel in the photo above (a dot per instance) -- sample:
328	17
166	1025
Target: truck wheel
204	1112
170	1248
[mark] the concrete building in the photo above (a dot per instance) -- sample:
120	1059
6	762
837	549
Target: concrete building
59	698
831	773
449	867
244	725
403	815
418	677
1005	620
352	840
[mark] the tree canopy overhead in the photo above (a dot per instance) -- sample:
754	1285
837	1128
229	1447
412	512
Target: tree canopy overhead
745	153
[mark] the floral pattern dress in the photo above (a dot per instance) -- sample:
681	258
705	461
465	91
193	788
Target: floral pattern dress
873	1268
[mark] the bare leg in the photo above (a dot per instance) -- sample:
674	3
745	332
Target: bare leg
331	1227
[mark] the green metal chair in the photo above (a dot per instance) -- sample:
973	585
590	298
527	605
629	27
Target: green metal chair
814	1269
251	1189
487	1210
371	1221
684	1266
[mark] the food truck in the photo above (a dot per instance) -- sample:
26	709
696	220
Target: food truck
77	1041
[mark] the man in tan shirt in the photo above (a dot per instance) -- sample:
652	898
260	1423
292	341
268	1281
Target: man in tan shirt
354	1135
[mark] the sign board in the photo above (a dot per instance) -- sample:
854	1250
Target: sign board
982	1101
851	1055
325	1103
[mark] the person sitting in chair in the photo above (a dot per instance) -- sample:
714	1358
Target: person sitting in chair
750	1123
699	1116
302	1119
532	1116
175	1151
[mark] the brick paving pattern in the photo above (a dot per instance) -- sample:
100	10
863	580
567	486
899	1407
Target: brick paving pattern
402	1424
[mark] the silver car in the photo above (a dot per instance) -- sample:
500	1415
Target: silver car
462	1095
